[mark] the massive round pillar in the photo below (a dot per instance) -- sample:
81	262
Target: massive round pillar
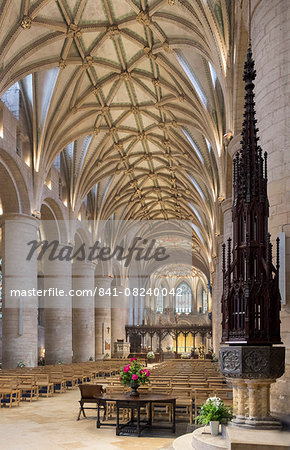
83	313
218	276
119	314
270	44
58	309
103	316
19	331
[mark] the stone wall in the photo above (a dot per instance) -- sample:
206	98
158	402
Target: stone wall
270	42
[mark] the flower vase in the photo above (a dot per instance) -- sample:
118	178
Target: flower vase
214	427
134	392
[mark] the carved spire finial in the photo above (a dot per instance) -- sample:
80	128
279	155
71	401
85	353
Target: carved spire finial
249	277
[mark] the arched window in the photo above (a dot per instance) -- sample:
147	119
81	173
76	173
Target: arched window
183	298
159	301
204	301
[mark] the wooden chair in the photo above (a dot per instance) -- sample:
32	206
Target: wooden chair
168	408
89	392
200	385
217	385
28	388
226	395
199	396
9	395
59	384
44	385
70	379
111	406
183	399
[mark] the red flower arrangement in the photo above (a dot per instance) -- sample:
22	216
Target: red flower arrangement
134	375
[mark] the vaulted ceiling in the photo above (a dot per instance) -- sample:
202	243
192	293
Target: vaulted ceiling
133	93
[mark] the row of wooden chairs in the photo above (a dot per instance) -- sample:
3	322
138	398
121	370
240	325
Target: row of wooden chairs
30	383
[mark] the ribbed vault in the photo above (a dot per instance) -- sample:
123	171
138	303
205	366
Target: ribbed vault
133	95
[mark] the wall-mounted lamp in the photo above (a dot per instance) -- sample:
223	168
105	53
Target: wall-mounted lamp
228	136
36	214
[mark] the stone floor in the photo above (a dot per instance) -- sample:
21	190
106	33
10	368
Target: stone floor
50	424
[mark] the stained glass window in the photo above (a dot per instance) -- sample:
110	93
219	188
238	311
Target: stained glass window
183	298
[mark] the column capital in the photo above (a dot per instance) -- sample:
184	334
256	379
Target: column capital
65	244
234	145
20	218
103	279
227	204
84	265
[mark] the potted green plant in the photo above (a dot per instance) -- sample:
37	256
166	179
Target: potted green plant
212	412
134	375
20	364
168	348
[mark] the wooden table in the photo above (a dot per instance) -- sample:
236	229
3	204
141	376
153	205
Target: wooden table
135	403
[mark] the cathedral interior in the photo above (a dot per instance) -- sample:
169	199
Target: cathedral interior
127	123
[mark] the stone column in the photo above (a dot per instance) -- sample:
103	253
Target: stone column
240	400
235	395
259	410
218	276
83	313
227	212
136	310
270	44
19	332
131	309
199	289
216	300
103	316
58	308
119	313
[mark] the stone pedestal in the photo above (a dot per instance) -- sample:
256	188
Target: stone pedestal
252	370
